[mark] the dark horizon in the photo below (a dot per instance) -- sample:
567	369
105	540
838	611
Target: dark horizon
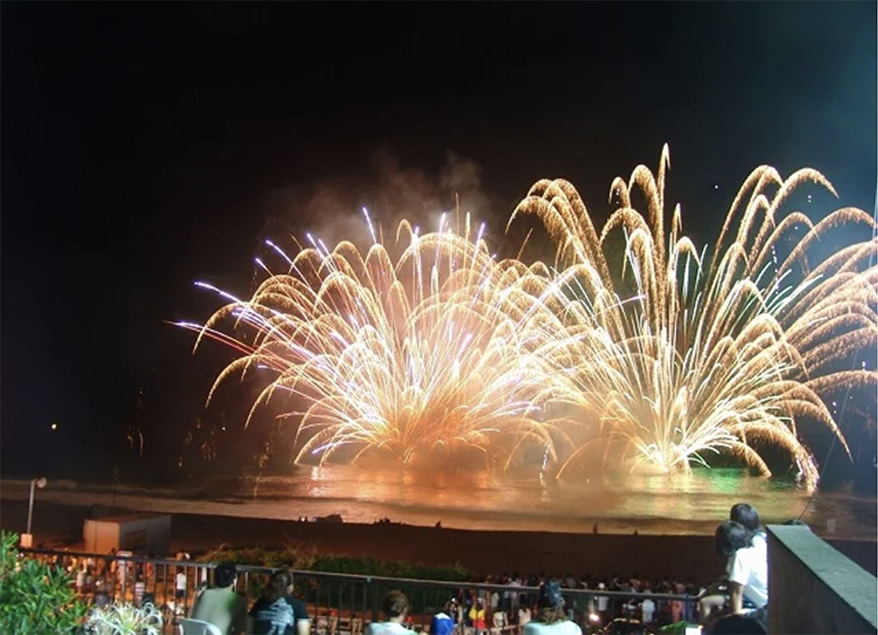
146	147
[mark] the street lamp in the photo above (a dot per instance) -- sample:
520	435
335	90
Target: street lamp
28	539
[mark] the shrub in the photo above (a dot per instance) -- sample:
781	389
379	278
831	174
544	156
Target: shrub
389	568
305	557
299	556
35	598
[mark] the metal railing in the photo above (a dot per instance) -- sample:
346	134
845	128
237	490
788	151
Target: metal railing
344	604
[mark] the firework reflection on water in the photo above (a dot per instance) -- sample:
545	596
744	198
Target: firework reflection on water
482	500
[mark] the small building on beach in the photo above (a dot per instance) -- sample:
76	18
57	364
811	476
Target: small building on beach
138	533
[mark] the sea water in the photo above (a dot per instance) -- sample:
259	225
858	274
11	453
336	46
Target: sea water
656	504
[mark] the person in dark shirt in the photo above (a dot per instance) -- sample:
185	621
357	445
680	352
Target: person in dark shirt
277	612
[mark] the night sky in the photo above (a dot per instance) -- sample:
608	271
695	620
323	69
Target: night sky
147	146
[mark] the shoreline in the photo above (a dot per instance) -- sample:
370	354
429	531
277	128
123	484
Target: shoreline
271	507
483	552
574	517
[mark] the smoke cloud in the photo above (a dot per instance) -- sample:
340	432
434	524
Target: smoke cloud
331	209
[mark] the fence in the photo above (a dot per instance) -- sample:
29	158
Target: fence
343	604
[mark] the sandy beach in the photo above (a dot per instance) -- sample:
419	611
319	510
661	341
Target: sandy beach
484	552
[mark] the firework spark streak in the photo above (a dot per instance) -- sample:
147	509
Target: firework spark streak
444	349
655	358
678	355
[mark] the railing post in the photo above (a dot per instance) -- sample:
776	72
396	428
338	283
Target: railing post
373	598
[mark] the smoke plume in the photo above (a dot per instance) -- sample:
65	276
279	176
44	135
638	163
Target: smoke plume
331	208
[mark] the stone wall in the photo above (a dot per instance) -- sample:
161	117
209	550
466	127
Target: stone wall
813	588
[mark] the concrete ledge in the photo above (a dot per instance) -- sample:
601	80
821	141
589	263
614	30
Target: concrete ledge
813	588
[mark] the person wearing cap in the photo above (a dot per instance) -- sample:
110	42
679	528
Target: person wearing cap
551	618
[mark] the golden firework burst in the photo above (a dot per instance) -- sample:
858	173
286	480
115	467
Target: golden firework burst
680	353
442	350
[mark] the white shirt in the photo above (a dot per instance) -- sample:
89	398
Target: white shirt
749	568
603	600
558	628
512	594
495	600
387	628
647	608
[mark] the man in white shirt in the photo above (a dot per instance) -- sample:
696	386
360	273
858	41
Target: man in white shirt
603	601
511	597
647	609
180	592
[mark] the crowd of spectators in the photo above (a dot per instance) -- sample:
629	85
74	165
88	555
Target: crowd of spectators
503	605
594	600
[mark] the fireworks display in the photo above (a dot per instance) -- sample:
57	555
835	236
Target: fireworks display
651	355
720	354
443	350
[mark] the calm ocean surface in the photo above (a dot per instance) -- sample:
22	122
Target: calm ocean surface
483	500
692	504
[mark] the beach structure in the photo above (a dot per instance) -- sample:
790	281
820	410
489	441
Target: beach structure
144	533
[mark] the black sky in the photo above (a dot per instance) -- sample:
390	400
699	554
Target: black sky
141	144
